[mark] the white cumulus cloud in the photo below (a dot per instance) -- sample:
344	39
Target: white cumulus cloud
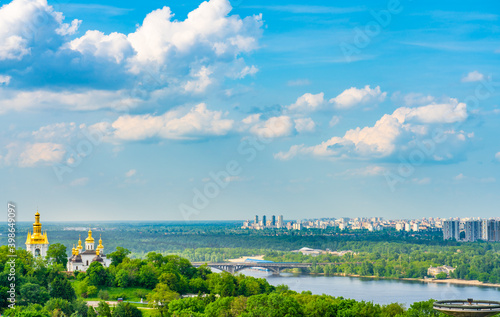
394	133
308	102
273	127
171	56
40	153
198	122
304	125
26	25
5	80
472	77
353	97
70	100
114	46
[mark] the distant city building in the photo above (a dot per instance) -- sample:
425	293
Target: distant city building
280	221
451	230
490	230
472	230
297	226
264	223
407	227
414	227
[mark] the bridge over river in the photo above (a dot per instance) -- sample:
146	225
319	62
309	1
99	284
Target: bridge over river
275	267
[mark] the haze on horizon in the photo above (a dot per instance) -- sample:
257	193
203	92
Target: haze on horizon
220	110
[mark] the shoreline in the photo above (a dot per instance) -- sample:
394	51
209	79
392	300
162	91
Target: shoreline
453	281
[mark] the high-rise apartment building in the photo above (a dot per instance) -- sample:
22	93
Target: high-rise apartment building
490	230
472	230
451	230
280	221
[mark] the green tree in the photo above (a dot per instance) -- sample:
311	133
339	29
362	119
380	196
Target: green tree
103	309
33	310
160	297
122	278
186	307
273	305
97	274
58	253
441	276
118	256
422	309
80	308
92	291
61	288
126	310
148	276
56	306
223	284
220	308
392	310
248	286
198	285
91	312
320	306
34	294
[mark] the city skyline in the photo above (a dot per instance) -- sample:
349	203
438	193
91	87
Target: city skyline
213	110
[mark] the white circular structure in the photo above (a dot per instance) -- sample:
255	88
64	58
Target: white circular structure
468	308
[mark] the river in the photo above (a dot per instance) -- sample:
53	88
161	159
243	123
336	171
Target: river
377	290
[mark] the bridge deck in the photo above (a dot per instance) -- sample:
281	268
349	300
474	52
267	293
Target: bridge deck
254	264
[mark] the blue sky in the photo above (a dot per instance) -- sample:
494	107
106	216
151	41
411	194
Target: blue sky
169	110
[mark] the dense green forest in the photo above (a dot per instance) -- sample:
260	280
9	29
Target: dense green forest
386	253
476	261
42	289
173	237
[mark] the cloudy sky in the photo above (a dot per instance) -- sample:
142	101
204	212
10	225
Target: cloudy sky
189	110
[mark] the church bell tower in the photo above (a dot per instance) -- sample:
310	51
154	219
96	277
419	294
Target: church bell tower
37	243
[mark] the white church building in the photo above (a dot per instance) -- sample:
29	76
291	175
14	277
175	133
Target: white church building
80	259
37	244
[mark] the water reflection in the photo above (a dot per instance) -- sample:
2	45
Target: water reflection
377	290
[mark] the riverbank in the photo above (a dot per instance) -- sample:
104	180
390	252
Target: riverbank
425	280
243	258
